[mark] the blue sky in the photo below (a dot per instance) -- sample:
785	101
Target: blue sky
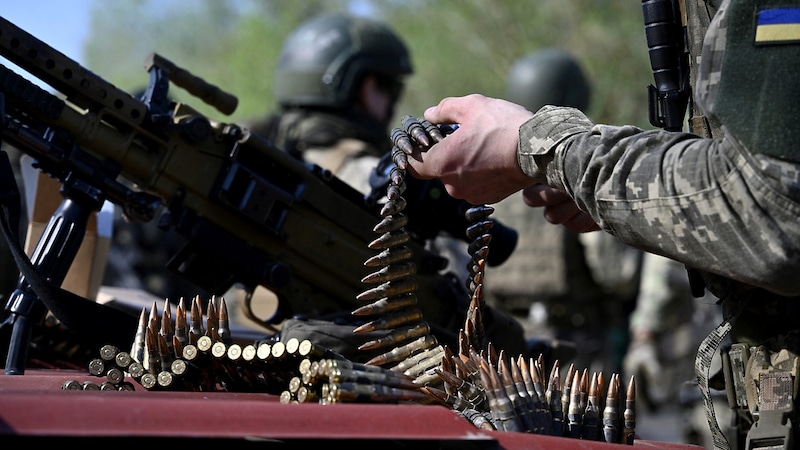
62	24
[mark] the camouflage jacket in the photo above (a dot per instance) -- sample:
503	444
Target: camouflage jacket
716	204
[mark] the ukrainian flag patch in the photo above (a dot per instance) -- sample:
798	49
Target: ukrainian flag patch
778	26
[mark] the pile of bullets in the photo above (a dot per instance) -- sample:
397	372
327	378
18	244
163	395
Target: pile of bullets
328	381
193	355
110	364
190	355
509	394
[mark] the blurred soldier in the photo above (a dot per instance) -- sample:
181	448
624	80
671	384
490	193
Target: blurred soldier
548	77
574	287
665	328
337	83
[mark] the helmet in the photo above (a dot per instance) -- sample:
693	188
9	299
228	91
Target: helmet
548	77
323	61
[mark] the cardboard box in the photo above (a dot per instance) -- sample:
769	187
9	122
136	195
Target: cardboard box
43	199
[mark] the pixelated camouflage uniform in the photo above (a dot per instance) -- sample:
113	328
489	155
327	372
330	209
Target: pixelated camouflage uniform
717	204
726	205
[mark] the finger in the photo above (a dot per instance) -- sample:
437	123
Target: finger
561	212
570	218
447	111
543	195
422	164
581	223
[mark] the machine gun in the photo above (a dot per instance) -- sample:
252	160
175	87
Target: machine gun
251	213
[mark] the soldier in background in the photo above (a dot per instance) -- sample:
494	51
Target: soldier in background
337	83
665	327
576	289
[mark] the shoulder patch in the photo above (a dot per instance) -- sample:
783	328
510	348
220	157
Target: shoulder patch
777	26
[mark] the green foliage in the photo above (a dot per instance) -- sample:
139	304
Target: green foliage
465	46
458	46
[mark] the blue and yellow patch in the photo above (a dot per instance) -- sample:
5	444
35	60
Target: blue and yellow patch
778	26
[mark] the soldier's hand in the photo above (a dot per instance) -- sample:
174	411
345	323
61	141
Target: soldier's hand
559	208
478	161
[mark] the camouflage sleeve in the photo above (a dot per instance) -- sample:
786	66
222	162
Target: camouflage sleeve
703	202
539	136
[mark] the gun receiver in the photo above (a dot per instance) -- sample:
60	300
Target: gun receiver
252	214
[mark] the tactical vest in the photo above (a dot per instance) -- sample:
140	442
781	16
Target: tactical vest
300	129
758	98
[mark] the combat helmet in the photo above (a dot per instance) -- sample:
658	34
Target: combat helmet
323	60
548	77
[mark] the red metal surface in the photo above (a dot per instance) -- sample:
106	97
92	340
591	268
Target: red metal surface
34	405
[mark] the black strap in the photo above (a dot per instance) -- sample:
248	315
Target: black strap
84	317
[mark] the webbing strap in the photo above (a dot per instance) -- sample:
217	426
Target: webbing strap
702	368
